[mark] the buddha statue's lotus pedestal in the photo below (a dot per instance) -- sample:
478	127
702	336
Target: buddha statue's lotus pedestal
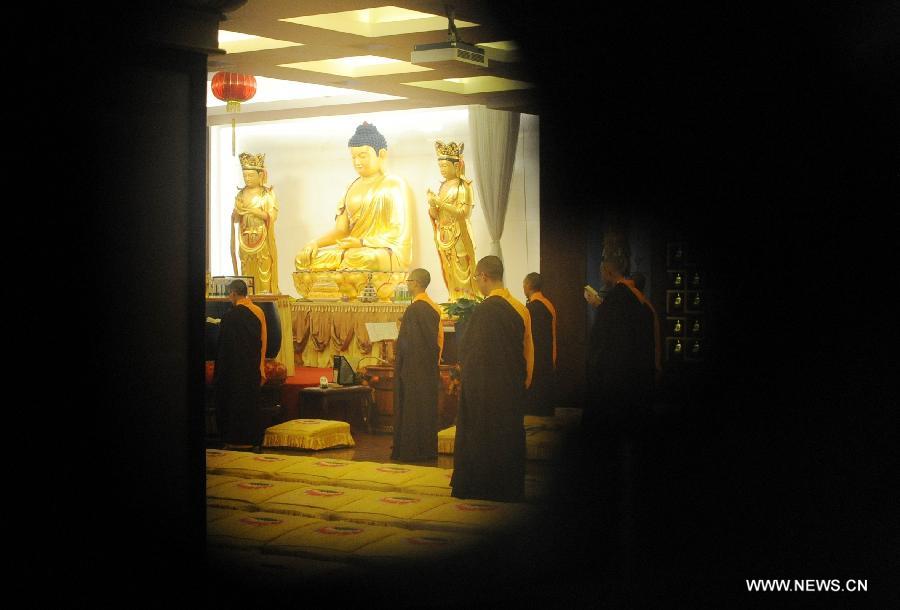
315	284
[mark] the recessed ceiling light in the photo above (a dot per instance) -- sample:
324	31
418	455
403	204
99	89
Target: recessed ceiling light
503	45
236	42
379	21
502	50
358	66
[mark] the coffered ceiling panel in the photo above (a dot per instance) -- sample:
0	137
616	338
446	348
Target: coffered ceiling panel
350	56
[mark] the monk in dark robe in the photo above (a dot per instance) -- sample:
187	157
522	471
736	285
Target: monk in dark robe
621	363
416	374
639	281
614	444
240	370
542	393
497	360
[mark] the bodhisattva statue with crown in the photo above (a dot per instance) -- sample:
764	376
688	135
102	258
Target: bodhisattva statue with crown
450	210
371	230
255	212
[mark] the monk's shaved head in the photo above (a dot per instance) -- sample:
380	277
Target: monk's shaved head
534	281
421	276
492	267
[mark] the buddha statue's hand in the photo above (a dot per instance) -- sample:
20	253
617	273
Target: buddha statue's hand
346	243
308	253
433	204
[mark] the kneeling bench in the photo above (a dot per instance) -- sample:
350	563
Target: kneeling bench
309	434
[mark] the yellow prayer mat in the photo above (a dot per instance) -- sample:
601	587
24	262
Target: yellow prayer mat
214	513
213	480
218	457
253	529
418	545
309	434
246	494
540	422
389	508
542	444
320	470
319	501
329	540
435	482
473	515
381	477
259	466
446	439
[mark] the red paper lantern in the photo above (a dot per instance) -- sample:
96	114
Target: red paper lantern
233	88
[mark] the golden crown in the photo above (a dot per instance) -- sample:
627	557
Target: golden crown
249	161
451	150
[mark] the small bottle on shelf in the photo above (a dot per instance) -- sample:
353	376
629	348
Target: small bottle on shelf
695	281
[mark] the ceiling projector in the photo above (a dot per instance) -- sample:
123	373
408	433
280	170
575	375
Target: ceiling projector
449	51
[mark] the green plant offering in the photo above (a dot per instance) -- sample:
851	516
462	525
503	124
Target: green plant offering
461	309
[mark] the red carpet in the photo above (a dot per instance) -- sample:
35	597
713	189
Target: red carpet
303	377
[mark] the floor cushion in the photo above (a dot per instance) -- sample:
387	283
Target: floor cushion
252	530
334	540
473	516
393	508
446	439
435	482
382	477
246	494
259	465
319	470
220	457
418	546
319	501
309	434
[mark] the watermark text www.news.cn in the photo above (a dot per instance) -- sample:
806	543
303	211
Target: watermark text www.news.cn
835	585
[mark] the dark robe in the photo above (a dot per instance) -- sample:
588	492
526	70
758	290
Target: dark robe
489	450
416	384
237	377
541	394
620	362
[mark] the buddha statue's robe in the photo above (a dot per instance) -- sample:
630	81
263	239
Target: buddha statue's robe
259	257
453	238
381	219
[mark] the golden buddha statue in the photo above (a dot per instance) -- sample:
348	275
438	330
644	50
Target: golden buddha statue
255	212
371	230
450	210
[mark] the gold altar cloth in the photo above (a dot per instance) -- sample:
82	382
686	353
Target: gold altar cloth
323	329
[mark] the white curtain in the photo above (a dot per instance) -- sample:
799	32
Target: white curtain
496	135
